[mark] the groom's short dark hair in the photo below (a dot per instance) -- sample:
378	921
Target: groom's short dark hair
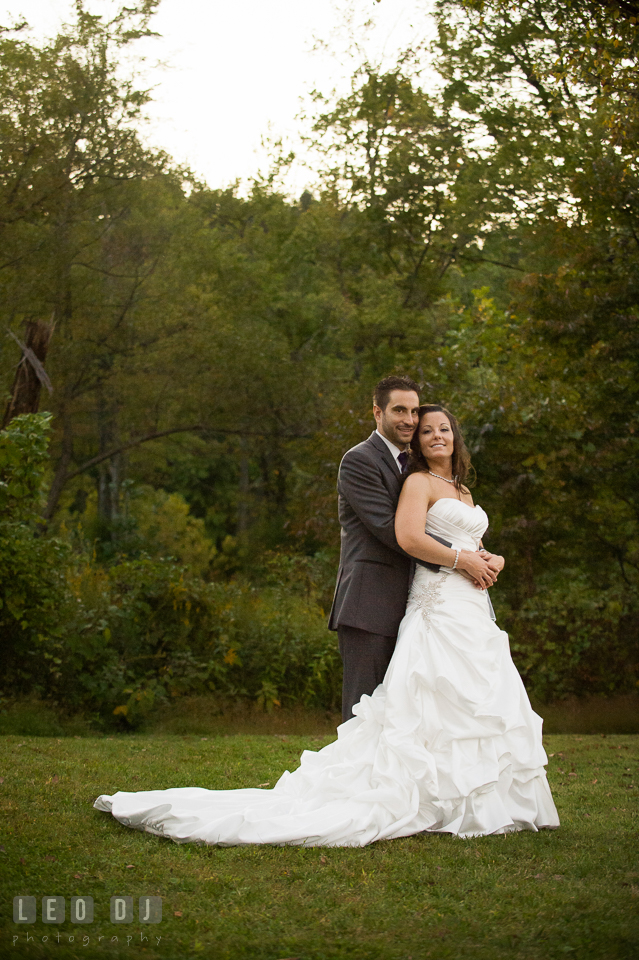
385	387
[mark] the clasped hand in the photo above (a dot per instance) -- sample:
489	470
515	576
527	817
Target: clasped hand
481	567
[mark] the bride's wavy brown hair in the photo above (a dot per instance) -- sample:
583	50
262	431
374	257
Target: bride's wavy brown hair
462	466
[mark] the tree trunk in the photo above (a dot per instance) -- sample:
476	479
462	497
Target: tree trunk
109	472
61	474
243	498
30	374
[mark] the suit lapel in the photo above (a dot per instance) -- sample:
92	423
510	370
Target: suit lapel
385	453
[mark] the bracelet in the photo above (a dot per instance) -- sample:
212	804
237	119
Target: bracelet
456	557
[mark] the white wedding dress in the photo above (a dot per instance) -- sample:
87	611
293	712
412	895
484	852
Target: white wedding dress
448	743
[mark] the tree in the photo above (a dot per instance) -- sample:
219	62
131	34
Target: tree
401	160
75	183
555	420
30	372
585	47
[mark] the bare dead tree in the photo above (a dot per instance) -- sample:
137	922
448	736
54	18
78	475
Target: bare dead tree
30	372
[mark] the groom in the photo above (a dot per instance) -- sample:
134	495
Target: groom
374	574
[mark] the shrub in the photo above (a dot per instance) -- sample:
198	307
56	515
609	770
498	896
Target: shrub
570	639
23	462
116	641
33	588
142	633
151	523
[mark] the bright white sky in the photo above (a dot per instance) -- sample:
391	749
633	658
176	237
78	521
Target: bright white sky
236	71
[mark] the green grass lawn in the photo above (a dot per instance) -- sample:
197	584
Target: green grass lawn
568	893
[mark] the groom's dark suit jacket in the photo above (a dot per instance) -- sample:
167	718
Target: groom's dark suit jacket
374	572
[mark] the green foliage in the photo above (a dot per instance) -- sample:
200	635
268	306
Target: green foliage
143	633
556	483
549	381
152	522
588	45
23	462
117	641
33	592
572	639
214	355
406	167
33	588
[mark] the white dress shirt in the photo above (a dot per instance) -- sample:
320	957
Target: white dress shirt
393	449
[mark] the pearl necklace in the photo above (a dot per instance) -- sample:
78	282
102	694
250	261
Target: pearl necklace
442	478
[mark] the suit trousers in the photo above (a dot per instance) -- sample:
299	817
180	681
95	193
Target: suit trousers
365	657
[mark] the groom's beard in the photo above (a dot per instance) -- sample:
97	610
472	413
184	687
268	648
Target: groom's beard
390	431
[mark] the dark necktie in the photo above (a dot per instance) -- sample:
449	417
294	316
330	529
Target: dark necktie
402	459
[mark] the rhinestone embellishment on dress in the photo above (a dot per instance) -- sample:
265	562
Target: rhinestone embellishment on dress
427	597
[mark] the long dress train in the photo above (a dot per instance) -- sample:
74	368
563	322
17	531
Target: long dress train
448	743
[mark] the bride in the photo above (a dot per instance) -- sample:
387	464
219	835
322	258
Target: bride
448	743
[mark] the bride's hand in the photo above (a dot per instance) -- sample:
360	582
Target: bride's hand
472	579
475	565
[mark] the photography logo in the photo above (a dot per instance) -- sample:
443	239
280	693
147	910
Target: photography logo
54	910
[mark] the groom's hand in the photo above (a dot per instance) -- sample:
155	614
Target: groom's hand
476	568
495	562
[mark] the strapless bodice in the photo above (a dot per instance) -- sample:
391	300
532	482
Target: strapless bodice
457	522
